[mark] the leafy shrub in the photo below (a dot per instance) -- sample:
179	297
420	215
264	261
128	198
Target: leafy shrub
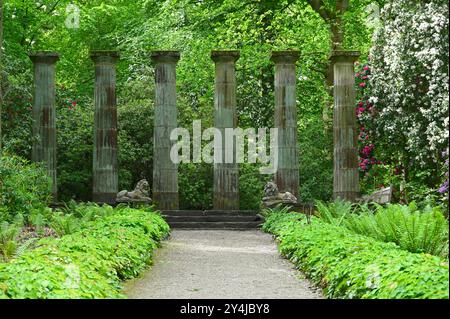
251	186
88	263
334	212
195	185
64	224
348	265
412	113
23	187
415	230
75	118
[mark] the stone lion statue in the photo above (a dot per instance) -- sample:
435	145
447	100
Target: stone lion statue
273	197
140	193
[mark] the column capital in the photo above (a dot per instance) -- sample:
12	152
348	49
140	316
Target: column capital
47	57
344	56
225	55
165	56
286	56
99	56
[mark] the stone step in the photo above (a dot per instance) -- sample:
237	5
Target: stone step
216	225
211	218
209	212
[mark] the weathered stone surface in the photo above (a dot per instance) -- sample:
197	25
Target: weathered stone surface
165	172
287	175
381	196
273	197
140	194
44	114
226	175
346	175
105	168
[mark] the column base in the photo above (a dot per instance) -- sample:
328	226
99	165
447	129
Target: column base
104	198
226	201
166	201
348	196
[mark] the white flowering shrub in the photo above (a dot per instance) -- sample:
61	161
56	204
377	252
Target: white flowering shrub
409	76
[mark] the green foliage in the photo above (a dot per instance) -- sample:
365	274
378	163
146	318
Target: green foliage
251	186
279	209
75	118
334	212
10	246
424	231
348	265
23	187
8	240
89	263
195	28
64	224
416	230
195	185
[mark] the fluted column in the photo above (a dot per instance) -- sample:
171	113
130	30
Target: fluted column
44	114
105	168
346	175
226	175
287	175
165	172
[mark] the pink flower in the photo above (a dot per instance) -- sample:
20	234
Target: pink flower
362	84
359	110
366	68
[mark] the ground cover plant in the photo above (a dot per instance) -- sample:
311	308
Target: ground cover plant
410	227
349	265
90	262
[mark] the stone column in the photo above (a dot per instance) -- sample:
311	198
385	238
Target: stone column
346	175
287	175
44	114
226	175
105	168
165	172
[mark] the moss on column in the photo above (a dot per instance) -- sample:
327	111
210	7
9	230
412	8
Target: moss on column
105	167
346	175
226	175
165	172
44	114
287	175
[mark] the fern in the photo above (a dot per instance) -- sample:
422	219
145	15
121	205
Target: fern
9	234
280	209
65	224
418	231
335	212
24	247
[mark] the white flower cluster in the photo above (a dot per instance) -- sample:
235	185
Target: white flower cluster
409	62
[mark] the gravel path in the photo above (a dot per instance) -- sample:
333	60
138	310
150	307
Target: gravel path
225	264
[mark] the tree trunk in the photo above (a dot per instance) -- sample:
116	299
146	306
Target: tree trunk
336	24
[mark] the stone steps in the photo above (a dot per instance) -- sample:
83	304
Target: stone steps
212	219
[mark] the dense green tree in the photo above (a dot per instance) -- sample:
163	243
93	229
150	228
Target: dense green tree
255	27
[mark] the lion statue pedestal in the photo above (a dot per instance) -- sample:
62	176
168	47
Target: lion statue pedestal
140	194
272	197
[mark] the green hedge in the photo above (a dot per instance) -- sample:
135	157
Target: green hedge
24	186
89	263
348	265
